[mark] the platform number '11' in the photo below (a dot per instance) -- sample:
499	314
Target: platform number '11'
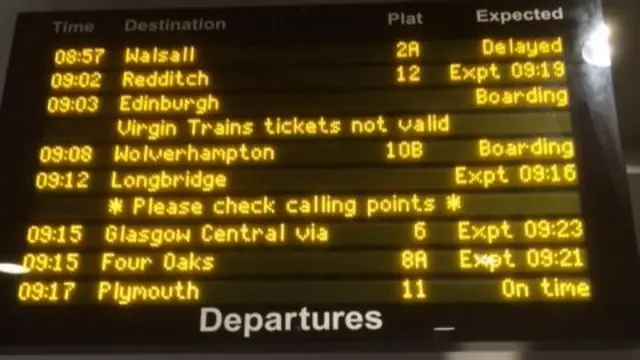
414	289
408	51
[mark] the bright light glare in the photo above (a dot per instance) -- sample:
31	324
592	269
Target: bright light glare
597	50
444	328
13	269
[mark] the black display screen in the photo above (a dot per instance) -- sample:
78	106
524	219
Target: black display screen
371	176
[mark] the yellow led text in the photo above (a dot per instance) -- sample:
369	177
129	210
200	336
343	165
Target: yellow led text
522	48
151	130
547	288
518	70
160	129
297	126
186	180
408	49
55	263
414	260
158	56
243	234
414	290
123	263
484	232
169	262
347	207
73	105
82	57
322	204
153	207
62	180
408	74
404	150
73	154
215	234
559	289
533	148
420	230
187	262
126	293
426	124
74	80
250	206
180	207
190	79
477	74
229	206
485	177
400	204
166	104
514	289
151	236
536	95
365	125
312	205
199	128
224	207
545	229
310	233
193	154
55	235
488	260
496	176
46	291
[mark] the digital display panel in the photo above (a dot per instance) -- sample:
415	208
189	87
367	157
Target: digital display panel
303	178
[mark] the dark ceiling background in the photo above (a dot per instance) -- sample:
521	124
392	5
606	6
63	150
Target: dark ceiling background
623	17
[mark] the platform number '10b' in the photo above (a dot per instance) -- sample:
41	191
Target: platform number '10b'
408	51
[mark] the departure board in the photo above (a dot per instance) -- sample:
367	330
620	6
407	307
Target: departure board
370	176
